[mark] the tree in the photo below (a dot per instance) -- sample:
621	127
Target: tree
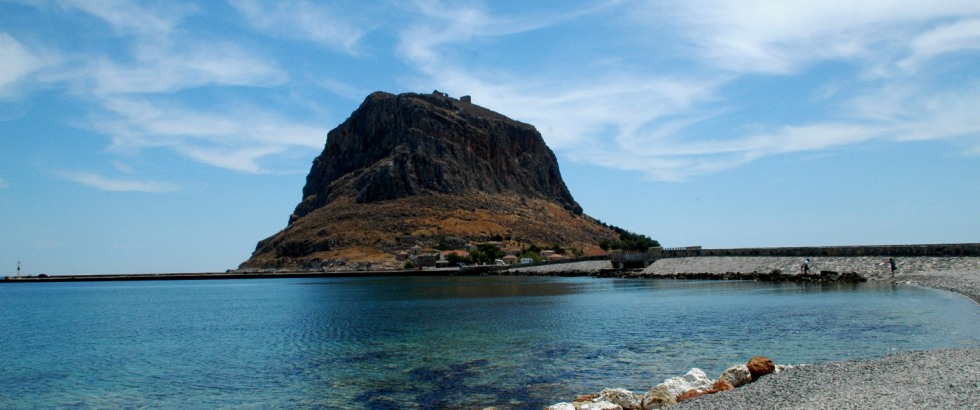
534	256
534	248
628	240
443	245
486	253
455	259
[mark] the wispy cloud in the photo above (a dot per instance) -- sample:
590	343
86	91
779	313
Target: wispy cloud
18	63
141	97
441	24
159	58
647	119
236	138
131	17
772	36
648	97
103	183
960	35
303	20
161	68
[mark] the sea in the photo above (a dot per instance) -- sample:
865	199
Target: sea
433	342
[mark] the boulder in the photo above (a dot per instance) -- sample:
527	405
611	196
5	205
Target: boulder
737	375
760	366
585	405
597	405
690	394
722	385
694	379
624	398
659	397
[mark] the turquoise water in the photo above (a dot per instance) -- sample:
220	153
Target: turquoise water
511	342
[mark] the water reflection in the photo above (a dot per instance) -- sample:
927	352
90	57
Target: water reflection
402	288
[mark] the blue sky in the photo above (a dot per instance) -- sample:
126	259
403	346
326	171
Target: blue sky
171	136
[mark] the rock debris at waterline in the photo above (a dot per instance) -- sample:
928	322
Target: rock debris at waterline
674	390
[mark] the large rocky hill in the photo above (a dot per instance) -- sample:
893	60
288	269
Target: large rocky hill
419	169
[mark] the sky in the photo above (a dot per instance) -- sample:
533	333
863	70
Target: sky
171	136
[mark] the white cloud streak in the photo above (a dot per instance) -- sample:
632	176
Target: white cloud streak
949	38
136	92
302	20
18	63
644	119
164	69
642	103
130	17
236	139
103	183
774	36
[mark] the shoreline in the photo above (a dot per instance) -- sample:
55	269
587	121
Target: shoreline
923	379
945	378
942	378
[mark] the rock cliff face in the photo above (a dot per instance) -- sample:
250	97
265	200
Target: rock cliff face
395	146
427	166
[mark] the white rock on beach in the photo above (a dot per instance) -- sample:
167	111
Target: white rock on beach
624	398
694	379
737	375
600	405
659	397
586	405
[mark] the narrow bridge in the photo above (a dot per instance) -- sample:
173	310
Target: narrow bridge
635	259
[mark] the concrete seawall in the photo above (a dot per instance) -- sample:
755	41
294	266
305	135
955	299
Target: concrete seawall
951	249
866	265
870	266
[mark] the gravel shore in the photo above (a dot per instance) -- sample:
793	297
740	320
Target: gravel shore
935	379
947	379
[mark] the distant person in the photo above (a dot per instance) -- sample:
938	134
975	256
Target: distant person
806	266
891	265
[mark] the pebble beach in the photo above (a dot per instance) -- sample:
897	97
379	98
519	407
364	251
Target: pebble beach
934	379
948	379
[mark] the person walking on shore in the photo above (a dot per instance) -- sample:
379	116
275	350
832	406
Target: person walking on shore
806	266
891	265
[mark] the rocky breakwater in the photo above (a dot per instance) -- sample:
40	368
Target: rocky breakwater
772	276
822	268
694	384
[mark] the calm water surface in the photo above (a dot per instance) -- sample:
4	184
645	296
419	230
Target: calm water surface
510	342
